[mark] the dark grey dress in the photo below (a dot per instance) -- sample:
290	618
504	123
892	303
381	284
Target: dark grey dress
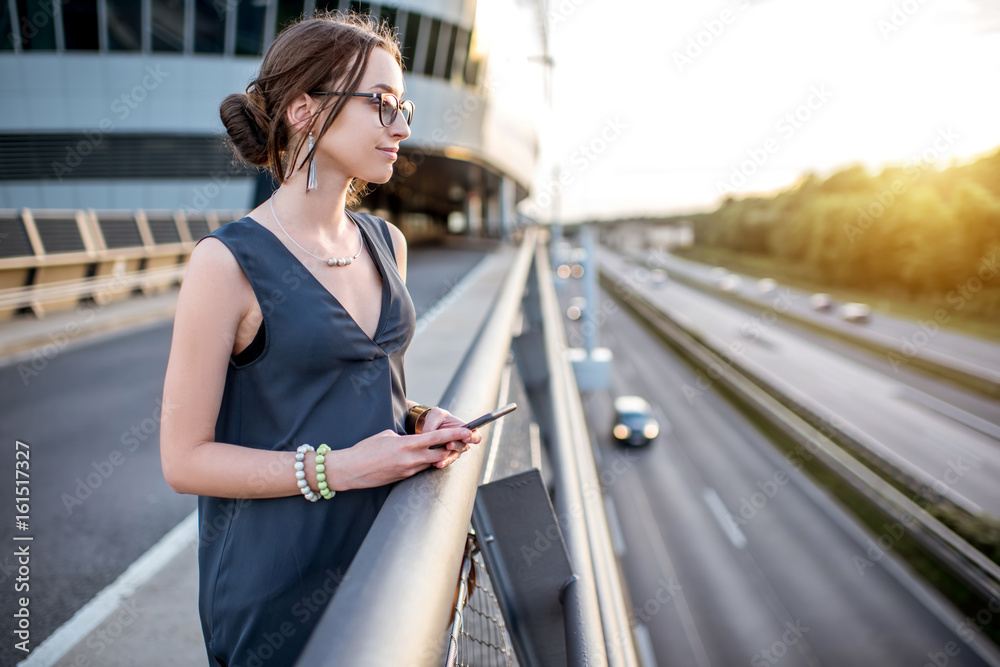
269	567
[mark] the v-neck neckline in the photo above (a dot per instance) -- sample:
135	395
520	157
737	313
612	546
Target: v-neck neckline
384	308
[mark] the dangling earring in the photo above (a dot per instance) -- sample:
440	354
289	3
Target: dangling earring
311	184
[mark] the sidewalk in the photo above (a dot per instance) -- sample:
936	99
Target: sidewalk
149	615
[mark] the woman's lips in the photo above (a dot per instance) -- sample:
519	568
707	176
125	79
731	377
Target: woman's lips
389	153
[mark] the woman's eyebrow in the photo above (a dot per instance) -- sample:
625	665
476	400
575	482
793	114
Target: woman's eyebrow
389	89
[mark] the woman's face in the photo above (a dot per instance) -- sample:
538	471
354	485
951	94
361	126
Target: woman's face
357	144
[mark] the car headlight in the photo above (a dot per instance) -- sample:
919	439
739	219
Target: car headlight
651	431
622	431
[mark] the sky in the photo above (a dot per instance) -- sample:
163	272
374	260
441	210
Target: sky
663	107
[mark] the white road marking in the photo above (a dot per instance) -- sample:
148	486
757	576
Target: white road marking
667	569
92	614
724	518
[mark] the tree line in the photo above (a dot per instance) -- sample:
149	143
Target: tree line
914	230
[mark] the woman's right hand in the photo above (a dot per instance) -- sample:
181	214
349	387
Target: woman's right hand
388	457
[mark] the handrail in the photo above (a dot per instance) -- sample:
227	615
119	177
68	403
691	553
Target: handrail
595	603
394	603
16	297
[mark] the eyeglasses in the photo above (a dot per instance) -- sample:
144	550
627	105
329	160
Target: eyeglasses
388	105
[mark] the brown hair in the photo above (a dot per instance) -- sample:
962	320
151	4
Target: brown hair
313	54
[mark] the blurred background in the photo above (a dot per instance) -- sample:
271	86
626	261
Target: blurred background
774	231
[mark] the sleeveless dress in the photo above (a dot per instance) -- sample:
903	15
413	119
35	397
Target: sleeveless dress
268	567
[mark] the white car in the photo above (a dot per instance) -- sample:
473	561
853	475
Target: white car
730	283
821	302
856	312
766	287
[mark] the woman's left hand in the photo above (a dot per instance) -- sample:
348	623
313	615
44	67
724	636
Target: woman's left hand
437	418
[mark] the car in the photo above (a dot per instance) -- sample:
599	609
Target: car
820	302
859	313
730	283
576	307
766	287
634	422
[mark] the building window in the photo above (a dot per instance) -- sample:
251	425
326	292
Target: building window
453	30
124	25
288	11
410	39
250	27
7	43
461	55
38	31
168	25
80	25
432	47
387	15
209	26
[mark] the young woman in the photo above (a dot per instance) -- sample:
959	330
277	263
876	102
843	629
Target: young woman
289	335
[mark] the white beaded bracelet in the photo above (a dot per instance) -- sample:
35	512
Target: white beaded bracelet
300	473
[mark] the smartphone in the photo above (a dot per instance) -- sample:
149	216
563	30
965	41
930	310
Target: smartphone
485	419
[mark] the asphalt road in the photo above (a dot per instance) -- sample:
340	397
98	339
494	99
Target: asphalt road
936	442
91	419
908	338
731	556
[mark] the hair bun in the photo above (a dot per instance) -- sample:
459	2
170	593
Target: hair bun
245	123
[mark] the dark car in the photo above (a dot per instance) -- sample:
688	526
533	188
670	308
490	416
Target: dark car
634	422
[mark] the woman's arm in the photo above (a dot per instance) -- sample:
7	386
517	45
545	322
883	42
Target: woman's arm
214	300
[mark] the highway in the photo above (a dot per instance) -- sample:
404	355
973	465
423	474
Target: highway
940	444
905	337
91	417
790	579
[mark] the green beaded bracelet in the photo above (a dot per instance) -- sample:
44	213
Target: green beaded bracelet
324	489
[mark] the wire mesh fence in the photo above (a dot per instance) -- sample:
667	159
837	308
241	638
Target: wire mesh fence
479	632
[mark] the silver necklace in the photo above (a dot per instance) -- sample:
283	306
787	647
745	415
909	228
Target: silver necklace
330	261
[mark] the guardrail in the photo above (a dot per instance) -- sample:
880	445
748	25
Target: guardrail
394	604
597	600
51	259
951	550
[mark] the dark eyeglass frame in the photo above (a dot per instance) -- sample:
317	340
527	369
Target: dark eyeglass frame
406	106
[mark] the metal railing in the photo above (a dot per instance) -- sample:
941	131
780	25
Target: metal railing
395	605
595	607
